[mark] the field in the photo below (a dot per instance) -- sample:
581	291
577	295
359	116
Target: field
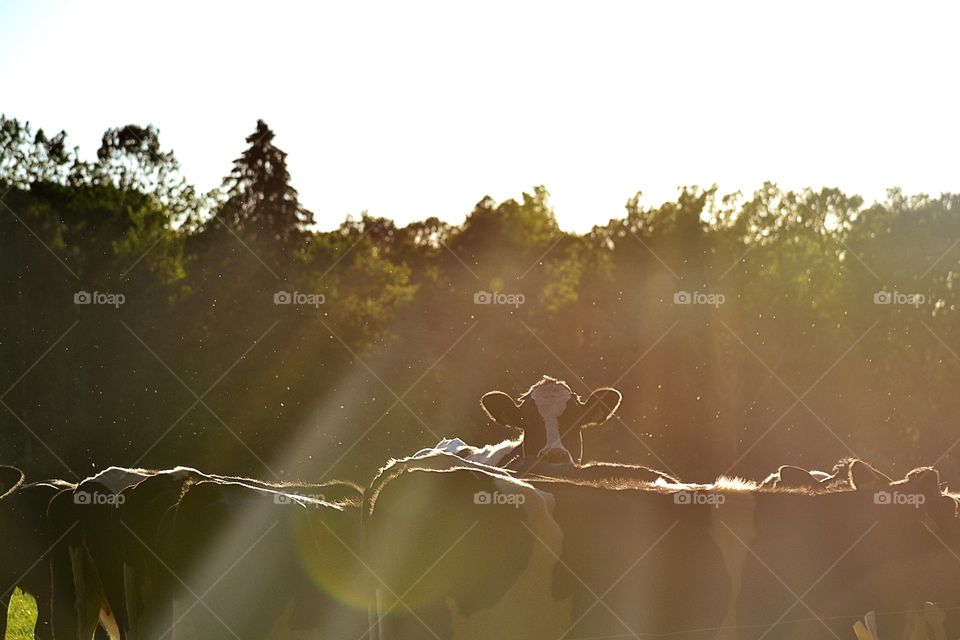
23	614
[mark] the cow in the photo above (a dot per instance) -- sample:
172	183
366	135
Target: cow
257	561
490	454
148	514
819	561
549	417
460	550
118	563
650	558
88	578
26	547
605	473
838	479
736	559
144	515
642	558
595	552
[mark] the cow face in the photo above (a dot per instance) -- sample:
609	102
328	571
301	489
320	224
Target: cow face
550	416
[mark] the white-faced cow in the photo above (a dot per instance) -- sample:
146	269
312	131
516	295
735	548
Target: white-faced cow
549	417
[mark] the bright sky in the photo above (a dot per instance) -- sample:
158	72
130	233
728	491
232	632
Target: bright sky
412	109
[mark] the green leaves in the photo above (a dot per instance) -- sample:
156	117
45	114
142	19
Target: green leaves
321	326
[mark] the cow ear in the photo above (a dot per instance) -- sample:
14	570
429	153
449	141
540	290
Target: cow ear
863	476
502	409
599	407
10	479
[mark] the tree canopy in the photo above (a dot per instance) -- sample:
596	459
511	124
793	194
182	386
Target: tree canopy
144	324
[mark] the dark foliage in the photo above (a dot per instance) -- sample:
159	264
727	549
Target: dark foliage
247	342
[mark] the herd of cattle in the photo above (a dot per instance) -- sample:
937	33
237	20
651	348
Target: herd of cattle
518	540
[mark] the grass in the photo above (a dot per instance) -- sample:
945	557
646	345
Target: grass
22	616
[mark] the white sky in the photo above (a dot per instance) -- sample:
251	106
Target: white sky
417	109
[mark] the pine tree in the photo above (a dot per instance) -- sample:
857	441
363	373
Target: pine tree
260	199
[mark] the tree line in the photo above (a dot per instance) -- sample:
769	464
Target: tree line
147	324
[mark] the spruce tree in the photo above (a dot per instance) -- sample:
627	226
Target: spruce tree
260	200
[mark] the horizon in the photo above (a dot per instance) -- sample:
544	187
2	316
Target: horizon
496	101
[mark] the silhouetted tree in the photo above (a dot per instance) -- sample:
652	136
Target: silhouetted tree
260	200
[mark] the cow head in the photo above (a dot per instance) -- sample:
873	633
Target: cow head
550	416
